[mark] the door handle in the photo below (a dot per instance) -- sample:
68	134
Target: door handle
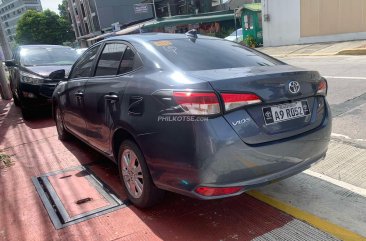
111	97
79	94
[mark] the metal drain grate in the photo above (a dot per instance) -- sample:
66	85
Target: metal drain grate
74	195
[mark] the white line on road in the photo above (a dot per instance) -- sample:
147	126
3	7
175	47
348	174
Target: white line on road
352	188
344	77
346	137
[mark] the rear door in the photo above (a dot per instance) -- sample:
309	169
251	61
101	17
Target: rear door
72	100
104	92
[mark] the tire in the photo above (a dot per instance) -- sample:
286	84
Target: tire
63	135
16	101
27	115
137	175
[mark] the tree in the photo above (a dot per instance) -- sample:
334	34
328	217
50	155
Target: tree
43	28
63	9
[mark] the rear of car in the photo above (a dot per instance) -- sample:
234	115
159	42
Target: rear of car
253	119
29	73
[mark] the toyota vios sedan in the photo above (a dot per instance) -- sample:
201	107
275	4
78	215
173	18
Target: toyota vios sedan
32	77
195	115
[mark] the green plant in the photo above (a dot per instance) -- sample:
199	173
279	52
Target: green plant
5	161
250	41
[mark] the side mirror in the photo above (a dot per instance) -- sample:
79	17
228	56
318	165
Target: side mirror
10	63
58	75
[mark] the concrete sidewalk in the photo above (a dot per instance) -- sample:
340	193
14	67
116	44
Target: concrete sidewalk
318	49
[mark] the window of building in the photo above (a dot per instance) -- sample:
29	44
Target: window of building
83	10
86	28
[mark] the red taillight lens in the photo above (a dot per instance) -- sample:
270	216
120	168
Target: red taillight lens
322	87
197	103
233	101
217	191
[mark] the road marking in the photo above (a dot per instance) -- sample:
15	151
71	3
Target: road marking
322	224
352	188
346	137
344	77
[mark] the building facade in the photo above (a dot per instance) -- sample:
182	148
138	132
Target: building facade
168	8
289	22
11	11
91	18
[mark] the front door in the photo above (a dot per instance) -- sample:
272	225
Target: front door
104	92
72	100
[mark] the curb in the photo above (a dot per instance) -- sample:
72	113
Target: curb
360	51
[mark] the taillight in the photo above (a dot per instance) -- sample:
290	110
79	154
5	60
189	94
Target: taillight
197	103
233	101
217	191
322	87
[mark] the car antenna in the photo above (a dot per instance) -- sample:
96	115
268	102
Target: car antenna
192	34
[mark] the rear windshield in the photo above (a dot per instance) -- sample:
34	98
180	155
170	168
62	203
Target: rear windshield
205	54
44	56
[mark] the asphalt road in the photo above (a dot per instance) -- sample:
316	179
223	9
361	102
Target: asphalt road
346	77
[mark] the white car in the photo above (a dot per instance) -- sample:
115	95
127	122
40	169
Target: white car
236	36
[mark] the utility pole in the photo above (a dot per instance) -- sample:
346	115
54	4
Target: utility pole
169	12
5	90
153	2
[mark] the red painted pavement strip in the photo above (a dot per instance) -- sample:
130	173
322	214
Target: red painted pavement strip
23	217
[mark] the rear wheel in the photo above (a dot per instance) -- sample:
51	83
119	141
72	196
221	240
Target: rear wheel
135	176
63	135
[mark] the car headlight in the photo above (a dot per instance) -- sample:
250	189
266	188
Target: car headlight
30	78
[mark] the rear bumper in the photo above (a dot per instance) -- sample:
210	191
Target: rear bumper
219	158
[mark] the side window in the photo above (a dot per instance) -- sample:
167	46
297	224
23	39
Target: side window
109	59
129	62
84	65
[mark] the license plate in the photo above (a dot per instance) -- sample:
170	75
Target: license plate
285	112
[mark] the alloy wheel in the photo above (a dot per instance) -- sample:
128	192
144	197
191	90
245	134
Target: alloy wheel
132	173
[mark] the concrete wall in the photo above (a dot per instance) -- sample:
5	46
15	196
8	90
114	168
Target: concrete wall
283	28
311	21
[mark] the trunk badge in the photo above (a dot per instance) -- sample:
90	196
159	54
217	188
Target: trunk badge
294	87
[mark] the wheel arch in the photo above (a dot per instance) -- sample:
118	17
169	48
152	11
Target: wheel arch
119	135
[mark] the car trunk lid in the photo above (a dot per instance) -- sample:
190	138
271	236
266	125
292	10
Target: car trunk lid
272	85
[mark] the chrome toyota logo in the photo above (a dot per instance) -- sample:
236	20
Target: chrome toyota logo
294	87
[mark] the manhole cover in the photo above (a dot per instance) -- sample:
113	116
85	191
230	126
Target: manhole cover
75	195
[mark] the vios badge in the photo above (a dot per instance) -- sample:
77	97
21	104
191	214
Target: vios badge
294	87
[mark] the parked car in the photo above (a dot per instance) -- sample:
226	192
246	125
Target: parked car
195	115
236	36
32	77
81	50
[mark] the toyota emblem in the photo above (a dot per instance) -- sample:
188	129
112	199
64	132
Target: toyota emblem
294	87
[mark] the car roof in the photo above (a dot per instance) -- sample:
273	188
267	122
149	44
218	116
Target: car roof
42	46
146	37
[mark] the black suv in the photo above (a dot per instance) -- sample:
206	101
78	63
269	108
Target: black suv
33	75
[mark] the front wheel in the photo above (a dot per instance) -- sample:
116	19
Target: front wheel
135	176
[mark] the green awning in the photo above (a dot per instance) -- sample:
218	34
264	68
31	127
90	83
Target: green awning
255	7
190	20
